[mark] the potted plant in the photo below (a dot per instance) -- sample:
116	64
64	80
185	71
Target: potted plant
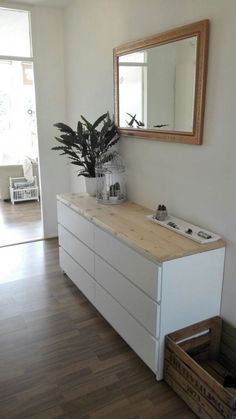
85	145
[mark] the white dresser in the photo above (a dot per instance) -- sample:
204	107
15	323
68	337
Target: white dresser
145	280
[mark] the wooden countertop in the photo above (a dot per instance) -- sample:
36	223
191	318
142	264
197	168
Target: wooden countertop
128	222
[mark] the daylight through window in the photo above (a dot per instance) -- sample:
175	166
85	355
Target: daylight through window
18	128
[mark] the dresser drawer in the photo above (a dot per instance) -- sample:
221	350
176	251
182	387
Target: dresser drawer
138	304
132	332
141	271
78	275
75	223
81	253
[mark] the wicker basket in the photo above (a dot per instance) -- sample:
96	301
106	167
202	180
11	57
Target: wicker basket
21	190
197	360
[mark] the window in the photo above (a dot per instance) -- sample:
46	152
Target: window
18	128
15	39
133	85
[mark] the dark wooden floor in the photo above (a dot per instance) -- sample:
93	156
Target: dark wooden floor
20	222
59	358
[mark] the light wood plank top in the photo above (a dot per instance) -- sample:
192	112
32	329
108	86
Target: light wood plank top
128	222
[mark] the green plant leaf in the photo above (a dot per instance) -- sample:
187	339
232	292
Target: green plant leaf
88	125
77	163
113	142
99	120
64	128
88	143
80	130
69	138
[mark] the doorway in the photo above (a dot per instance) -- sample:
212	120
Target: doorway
20	209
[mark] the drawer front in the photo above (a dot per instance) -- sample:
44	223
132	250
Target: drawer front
79	276
75	223
81	253
135	335
138	304
141	271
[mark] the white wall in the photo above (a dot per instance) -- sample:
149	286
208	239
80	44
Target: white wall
48	46
196	182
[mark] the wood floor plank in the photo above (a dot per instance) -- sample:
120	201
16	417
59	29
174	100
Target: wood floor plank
59	358
53	413
20	222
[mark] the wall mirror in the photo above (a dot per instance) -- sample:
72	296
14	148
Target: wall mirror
160	85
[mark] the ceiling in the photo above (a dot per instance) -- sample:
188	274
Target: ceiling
50	3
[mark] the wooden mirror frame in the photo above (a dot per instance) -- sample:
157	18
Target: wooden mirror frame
201	31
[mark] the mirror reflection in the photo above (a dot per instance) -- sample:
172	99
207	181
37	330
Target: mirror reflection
157	87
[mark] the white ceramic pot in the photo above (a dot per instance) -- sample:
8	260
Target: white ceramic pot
90	185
